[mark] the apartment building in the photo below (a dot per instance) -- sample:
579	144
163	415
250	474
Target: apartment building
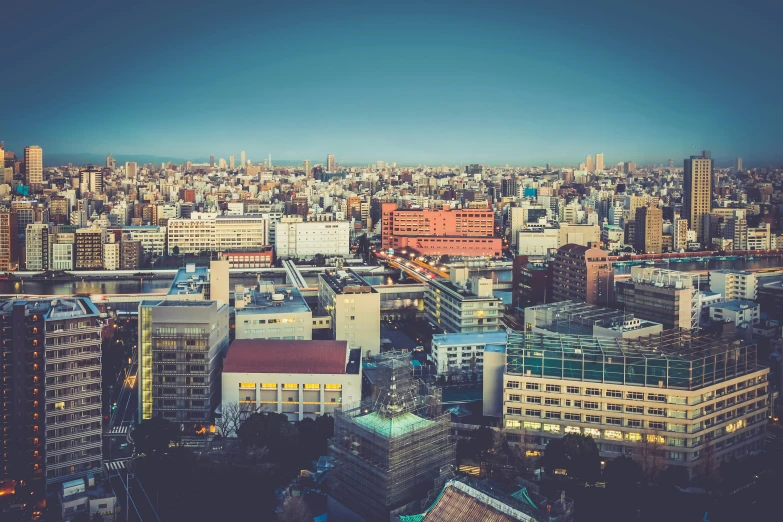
353	307
463	354
181	347
63	250
459	306
51	379
668	400
456	232
89	248
299	379
37	239
649	230
209	232
295	239
665	296
736	311
734	284
269	312
153	238
582	273
8	233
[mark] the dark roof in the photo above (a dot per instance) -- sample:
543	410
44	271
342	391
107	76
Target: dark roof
573	247
267	356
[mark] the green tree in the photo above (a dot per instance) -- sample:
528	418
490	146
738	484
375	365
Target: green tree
152	437
314	436
623	473
269	429
577	454
175	250
482	440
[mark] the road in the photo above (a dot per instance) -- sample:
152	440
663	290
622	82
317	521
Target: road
141	506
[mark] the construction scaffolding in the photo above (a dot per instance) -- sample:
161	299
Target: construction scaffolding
390	448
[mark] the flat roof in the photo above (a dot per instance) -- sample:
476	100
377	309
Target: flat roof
56	308
189	280
347	282
458	339
286	356
261	301
736	304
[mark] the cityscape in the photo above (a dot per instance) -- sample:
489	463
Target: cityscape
436	298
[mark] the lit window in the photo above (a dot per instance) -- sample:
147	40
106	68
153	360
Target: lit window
333	386
251	385
613	435
532	425
513	424
572	429
633	437
290	386
269	385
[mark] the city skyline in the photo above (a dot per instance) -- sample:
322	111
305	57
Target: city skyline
444	83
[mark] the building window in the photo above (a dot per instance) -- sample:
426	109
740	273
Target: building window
333	386
573	389
639	410
553	388
512	384
533	400
552	414
592	391
312	386
655	411
653	425
573	416
617	421
617	394
514	398
290	386
531	386
591	405
550	401
634	423
595	419
269	385
531	425
247	385
514	411
657	397
533	413
614	407
552	428
634	396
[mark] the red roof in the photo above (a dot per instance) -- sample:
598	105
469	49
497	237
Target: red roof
266	356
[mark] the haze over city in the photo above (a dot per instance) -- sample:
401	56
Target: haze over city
454	82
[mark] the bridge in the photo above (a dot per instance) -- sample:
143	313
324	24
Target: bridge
293	275
425	273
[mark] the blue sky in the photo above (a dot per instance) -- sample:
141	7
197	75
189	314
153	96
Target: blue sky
413	82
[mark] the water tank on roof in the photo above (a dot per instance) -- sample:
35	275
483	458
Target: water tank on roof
278	297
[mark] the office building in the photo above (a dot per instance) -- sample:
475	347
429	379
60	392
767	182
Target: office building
462	305
181	347
131	254
231	162
664	296
463	353
508	187
295	239
269	312
599	162
8	235
131	170
111	163
589	164
299	379
697	192
354	309
538	242
649	230
575	318
389	449
33	167
738	165
210	232
89	248
151	237
212	160
531	282
737	232
629	167
63	251
734	284
674	399
308	168
456	232
51	369
582	273
330	163
738	312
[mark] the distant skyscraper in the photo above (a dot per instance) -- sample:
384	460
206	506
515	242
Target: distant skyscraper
270	161
33	167
130	170
330	163
243	157
629	167
738	165
231	162
212	160
222	163
671	163
697	192
599	161
589	165
308	169
111	163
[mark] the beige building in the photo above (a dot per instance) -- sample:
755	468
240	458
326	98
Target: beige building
269	312
354	308
33	167
649	230
38	247
697	192
664	296
89	248
680	235
583	273
209	232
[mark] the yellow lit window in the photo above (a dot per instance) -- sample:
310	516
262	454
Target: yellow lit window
613	435
552	428
312	386
532	425
334	386
656	439
634	437
572	429
532	453
291	386
513	424
247	385
269	385
58	406
592	432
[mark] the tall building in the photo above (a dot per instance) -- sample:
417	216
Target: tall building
37	247
734	284
308	168
89	248
531	282
131	170
461	305
697	192
589	164
680	228
582	273
354	307
668	400
738	165
51	380
181	347
33	167
649	230
390	449
664	296
737	231
111	163
231	164
457	232
212	160
243	158
330	163
599	161
629	167
8	235
508	187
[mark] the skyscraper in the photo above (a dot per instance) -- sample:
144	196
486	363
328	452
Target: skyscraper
738	165
243	157
589	165
649	230
599	161
111	163
330	163
130	170
697	191
270	161
212	160
308	169
231	162
33	167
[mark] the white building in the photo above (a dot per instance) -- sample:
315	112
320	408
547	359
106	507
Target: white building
458	309
538	241
111	255
734	284
301	379
354	308
153	238
269	312
736	311
208	232
304	240
463	353
62	256
37	246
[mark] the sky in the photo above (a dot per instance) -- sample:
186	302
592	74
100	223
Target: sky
520	82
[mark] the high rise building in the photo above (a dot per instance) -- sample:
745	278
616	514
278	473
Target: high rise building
181	347
649	230
330	163
243	158
212	160
270	161
111	163
131	170
8	235
33	167
462	305
629	167
599	161
582	273
738	165
697	192
390	449
231	164
680	228
89	248
589	165
37	247
737	231
308	168
508	187
51	380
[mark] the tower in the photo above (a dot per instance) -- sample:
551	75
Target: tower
33	167
697	192
308	169
330	163
231	162
599	161
243	158
589	165
130	170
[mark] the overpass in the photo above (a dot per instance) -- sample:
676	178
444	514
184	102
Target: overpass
293	275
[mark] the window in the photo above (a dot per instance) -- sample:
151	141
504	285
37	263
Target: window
512	384
655	411
655	425
591	405
617	421
550	401
531	425
633	437
268	385
514	398
614	407
250	385
513	424
613	435
634	423
593	418
552	428
290	386
592	432
531	386
533	400
333	386
553	388
634	396
639	410
573	389
552	414
617	394
533	413
572	429
573	417
657	397
312	386
592	391
514	411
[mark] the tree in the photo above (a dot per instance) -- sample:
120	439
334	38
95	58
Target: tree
269	429
577	454
294	509
623	473
482	440
232	416
175	250
153	437
319	260
314	436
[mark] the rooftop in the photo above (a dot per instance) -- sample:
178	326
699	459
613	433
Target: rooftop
347	282
270	299
731	271
55	309
189	280
392	426
736	305
279	356
459	339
